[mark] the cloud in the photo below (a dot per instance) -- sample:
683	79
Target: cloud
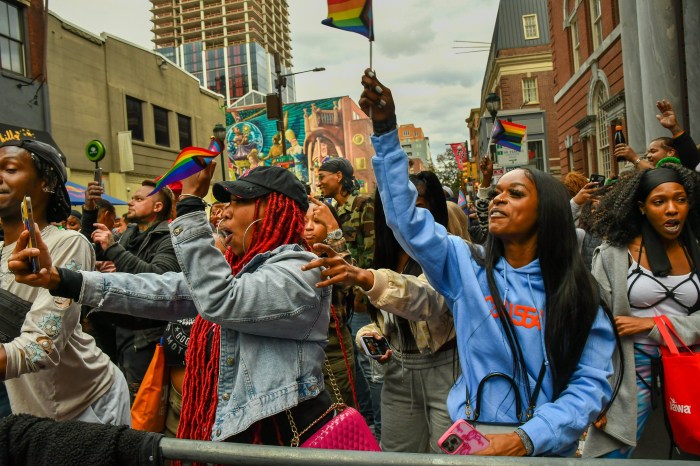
434	87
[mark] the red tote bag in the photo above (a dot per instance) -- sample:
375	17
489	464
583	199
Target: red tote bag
681	388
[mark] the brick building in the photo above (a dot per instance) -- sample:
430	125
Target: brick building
519	70
588	82
656	44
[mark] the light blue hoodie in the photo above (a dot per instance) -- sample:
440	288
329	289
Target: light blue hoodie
483	349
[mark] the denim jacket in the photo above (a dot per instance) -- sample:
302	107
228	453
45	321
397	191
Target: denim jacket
274	321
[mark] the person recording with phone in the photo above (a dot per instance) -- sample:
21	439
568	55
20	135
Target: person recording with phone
513	302
51	368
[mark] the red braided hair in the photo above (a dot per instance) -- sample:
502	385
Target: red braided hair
282	223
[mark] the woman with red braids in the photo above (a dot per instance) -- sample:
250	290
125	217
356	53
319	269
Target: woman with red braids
256	349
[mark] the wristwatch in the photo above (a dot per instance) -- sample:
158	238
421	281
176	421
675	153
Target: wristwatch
334	235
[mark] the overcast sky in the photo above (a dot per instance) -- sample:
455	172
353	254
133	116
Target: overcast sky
434	87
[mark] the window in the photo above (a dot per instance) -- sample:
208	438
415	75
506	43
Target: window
530	91
184	130
575	44
134	118
602	134
160	123
596	23
11	44
570	156
530	28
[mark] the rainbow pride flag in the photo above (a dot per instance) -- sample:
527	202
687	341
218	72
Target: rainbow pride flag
351	15
508	134
185	165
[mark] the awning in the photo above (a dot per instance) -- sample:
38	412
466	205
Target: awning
16	133
76	193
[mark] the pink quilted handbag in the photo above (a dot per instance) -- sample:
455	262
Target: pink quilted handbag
346	431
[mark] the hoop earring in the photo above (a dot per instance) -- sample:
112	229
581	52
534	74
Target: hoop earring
246	232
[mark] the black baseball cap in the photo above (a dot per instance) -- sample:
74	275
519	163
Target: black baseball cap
261	181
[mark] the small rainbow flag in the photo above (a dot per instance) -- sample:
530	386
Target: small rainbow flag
508	134
351	15
461	199
185	165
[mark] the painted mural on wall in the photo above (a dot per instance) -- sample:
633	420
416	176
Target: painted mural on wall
313	131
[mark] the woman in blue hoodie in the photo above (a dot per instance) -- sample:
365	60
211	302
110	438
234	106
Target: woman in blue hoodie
535	347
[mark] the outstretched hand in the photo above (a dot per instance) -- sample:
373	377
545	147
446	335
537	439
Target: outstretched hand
486	167
337	270
376	99
198	184
19	265
667	117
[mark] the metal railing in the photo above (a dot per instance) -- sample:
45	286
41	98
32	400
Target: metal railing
258	455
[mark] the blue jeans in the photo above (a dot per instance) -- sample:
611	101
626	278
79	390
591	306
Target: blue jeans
369	393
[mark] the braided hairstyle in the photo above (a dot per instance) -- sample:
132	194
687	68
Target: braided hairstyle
618	218
282	223
57	208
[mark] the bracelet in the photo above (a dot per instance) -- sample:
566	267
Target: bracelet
189	195
636	162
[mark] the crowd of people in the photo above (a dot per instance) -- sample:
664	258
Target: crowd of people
532	318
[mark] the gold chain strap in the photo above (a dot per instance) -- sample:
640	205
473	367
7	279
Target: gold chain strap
338	406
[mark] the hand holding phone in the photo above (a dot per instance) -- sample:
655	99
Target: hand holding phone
600	179
28	219
98	175
462	439
374	348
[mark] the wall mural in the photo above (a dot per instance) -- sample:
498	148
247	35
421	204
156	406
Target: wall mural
314	131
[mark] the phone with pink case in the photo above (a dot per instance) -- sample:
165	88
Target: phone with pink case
462	439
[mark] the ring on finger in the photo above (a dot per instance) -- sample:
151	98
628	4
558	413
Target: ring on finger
378	90
381	103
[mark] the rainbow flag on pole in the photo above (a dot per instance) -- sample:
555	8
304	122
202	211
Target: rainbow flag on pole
185	165
351	15
508	134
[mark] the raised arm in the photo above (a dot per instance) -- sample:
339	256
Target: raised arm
415	229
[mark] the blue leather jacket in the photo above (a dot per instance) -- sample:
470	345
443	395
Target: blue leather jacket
274	321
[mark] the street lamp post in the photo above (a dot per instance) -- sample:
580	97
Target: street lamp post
280	83
219	133
493	104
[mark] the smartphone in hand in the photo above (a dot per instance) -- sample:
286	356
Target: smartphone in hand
28	219
462	439
374	348
600	179
98	175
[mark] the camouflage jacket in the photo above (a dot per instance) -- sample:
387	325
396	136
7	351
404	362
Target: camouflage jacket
357	222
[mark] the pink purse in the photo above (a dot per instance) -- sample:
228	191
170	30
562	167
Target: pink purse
346	431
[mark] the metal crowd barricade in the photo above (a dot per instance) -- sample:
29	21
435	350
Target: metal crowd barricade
257	455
